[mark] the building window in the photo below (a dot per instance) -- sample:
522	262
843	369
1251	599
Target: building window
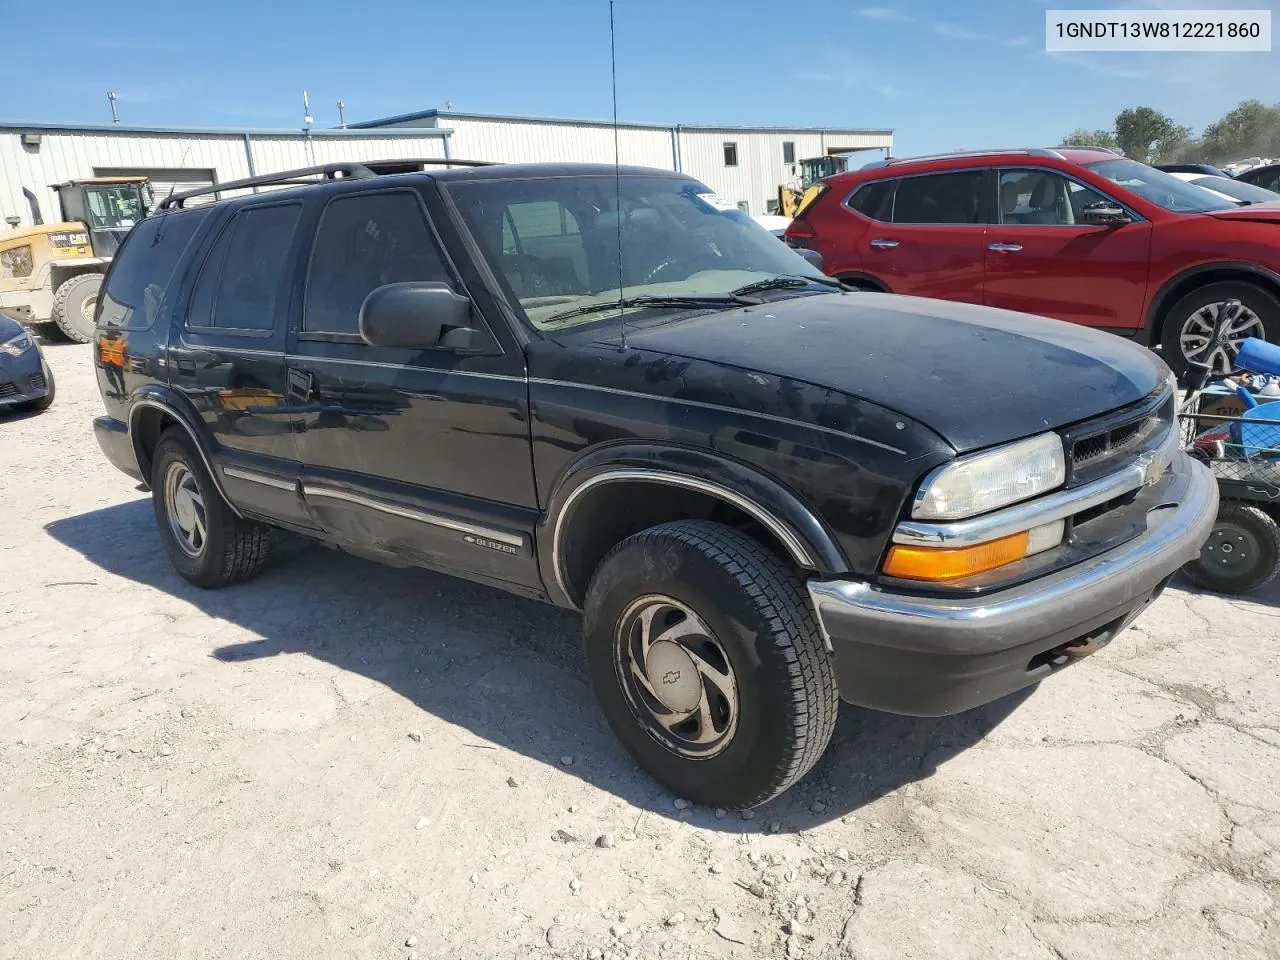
788	151
744	207
730	154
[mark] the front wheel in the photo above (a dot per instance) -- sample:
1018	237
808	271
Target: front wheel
1242	552
73	305
1187	333
705	656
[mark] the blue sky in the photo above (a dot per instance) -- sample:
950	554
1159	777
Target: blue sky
945	75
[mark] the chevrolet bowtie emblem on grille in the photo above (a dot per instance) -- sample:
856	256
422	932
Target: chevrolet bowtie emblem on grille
671	676
1153	467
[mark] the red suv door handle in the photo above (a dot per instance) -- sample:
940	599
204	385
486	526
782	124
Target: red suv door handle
884	244
1005	247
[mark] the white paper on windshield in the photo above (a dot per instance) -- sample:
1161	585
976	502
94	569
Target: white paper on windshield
717	202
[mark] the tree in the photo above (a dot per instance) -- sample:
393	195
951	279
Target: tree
1251	129
1080	137
1148	135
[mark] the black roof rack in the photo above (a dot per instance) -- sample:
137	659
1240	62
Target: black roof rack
308	175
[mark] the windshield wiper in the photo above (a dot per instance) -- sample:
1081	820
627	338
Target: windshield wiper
785	282
691	303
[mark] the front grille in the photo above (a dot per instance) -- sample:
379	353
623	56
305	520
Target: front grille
37	382
1107	443
8	390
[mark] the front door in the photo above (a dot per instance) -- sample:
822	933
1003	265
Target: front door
417	455
227	358
1043	258
934	246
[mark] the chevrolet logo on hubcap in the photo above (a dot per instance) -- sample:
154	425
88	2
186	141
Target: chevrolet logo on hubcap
671	676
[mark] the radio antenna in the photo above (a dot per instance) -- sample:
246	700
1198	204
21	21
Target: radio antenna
617	172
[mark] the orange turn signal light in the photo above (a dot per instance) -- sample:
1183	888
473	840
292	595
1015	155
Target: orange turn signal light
952	563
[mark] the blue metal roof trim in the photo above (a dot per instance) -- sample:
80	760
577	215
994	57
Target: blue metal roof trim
19	126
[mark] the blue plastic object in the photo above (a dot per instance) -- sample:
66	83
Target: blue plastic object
1258	356
1258	431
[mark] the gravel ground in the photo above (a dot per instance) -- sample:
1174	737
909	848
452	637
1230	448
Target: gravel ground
344	760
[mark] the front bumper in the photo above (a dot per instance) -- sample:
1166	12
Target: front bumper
113	438
932	656
23	379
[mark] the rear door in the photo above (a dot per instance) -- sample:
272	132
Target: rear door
227	357
418	454
933	244
1043	259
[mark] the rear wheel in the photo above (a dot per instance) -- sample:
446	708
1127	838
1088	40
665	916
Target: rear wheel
73	306
206	542
705	656
1242	552
1187	332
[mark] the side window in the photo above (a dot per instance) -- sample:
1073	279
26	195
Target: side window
1043	197
136	292
875	200
242	277
364	242
941	198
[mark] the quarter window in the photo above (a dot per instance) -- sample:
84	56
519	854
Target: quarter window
364	242
875	200
941	198
730	154
136	291
243	275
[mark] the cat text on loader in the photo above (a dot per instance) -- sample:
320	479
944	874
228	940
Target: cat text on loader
50	272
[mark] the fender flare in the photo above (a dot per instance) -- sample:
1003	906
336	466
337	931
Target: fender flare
776	508
157	396
860	276
1160	302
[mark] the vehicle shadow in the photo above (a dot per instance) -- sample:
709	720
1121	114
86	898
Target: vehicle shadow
506	669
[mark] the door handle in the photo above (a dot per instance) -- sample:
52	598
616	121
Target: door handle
300	385
1005	247
884	244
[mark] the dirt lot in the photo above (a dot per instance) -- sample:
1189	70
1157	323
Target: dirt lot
344	760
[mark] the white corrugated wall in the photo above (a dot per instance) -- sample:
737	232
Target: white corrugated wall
523	141
69	155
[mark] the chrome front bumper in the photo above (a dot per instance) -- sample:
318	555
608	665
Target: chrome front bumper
932	655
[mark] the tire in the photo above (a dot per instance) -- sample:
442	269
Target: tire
35	406
227	548
760	634
1197	310
73	305
1242	552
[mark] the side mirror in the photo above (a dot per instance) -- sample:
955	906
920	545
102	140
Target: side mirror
417	316
1105	213
813	256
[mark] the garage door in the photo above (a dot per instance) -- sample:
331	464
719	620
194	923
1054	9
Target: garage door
166	180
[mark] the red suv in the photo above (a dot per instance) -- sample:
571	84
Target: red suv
1077	233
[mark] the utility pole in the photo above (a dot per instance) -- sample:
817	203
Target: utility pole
112	98
342	117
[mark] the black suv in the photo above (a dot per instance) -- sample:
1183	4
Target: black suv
609	389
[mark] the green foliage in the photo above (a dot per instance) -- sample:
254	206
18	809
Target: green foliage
1146	134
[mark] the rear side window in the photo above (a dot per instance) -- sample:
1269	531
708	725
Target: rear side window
875	200
243	275
941	198
137	291
363	242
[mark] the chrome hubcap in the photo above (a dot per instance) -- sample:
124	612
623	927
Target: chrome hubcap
184	506
676	676
1199	345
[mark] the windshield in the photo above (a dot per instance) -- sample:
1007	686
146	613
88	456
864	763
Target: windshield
1244	192
119	205
555	241
1162	189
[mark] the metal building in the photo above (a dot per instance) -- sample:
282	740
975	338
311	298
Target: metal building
743	164
33	156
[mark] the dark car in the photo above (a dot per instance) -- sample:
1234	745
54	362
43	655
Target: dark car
1267	177
610	390
26	382
1201	168
1076	233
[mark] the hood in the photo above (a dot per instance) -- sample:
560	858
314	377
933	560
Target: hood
976	375
1257	212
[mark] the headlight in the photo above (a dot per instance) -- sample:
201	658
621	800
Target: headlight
16	262
983	482
17	346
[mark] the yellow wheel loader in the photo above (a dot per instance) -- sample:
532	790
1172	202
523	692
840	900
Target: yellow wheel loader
792	199
50	273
